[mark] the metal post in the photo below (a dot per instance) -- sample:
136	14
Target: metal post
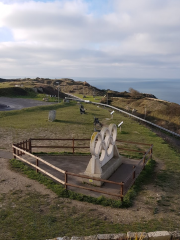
37	164
58	93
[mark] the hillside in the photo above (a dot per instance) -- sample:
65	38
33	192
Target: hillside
44	215
162	113
50	86
147	106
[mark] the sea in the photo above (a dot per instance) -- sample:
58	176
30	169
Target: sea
164	89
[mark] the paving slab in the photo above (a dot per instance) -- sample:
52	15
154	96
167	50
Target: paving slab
77	164
159	235
7	104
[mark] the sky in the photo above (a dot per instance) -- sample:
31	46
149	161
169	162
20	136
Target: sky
90	38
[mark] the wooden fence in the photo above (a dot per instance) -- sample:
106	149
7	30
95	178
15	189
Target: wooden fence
25	148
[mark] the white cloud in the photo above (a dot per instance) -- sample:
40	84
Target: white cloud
61	35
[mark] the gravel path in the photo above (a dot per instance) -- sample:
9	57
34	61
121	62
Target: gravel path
7	104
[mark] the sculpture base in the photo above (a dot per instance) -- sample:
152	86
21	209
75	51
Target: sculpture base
107	171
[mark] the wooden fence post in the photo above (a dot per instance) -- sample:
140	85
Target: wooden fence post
20	153
30	149
26	146
37	164
23	146
66	179
122	191
73	145
14	151
17	145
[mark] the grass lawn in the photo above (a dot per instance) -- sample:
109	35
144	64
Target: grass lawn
30	215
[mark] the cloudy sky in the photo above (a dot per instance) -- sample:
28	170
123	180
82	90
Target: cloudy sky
90	38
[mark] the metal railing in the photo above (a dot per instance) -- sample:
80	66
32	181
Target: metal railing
129	114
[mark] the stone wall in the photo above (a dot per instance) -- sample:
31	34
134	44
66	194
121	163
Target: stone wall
159	235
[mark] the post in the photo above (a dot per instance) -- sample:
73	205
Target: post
73	145
26	145
58	93
20	146
122	190
66	179
14	151
144	160
37	164
134	173
151	151
23	146
30	149
17	145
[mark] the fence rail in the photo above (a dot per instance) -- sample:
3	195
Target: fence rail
73	147
25	148
141	119
131	115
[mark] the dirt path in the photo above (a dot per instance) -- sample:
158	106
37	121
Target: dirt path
12	181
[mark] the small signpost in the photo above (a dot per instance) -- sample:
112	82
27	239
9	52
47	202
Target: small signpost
112	114
120	125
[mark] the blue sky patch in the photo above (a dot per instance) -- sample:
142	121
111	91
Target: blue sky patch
6	35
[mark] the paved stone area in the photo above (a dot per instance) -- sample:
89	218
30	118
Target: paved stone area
77	164
7	104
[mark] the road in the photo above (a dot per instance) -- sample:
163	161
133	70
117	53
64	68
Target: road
7	104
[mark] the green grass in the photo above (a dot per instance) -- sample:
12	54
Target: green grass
32	123
34	216
89	97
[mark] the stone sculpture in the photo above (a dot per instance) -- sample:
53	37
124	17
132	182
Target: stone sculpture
105	156
52	115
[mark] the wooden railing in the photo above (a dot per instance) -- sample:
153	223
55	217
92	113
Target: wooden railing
25	148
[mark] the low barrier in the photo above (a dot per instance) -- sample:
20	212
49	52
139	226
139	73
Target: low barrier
131	115
25	148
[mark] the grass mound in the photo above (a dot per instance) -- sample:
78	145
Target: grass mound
17	92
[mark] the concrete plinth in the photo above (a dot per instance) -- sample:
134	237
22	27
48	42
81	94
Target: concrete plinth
107	170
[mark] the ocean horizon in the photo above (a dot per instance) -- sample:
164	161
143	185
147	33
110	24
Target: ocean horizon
164	89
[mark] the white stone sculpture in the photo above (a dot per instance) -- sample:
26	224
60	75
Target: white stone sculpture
52	115
105	156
